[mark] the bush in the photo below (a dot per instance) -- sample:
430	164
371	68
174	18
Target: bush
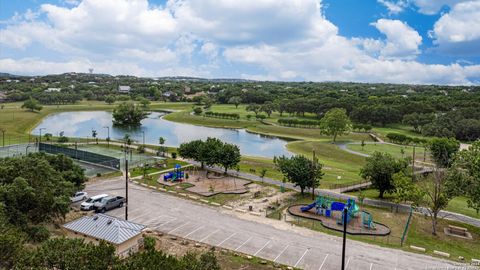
299	123
38	233
197	110
62	139
234	116
399	138
141	149
174	155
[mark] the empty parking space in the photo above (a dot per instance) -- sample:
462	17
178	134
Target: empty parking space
331	262
235	241
218	237
273	250
169	225
291	255
359	264
203	234
313	259
253	245
186	229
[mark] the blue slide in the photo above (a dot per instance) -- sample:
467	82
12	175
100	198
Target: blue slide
308	207
337	206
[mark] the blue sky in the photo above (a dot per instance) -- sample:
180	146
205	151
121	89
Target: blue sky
400	41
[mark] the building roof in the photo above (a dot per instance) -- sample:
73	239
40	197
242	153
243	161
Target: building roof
105	227
125	88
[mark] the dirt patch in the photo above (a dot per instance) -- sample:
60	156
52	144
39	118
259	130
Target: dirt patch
209	183
354	227
260	198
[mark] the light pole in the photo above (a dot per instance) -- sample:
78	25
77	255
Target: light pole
345	217
40	139
143	131
3	136
108	136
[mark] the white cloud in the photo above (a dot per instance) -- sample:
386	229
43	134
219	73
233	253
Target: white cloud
279	39
459	30
402	40
394	7
431	7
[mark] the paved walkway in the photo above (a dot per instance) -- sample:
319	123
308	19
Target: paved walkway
265	238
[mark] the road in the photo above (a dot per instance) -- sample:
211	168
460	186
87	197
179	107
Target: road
269	239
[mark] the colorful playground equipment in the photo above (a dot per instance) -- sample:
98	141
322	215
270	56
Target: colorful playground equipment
176	175
325	206
367	221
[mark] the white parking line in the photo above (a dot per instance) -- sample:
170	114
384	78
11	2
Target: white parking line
210	234
371	265
184	224
194	231
165	223
266	244
278	256
140	216
226	239
305	253
324	260
348	261
243	243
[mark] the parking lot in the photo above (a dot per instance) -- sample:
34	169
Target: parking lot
275	241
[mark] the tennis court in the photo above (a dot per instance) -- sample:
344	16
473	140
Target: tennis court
134	158
16	150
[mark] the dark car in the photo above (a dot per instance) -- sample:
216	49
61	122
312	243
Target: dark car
108	203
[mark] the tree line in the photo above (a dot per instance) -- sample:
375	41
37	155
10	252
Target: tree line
234	116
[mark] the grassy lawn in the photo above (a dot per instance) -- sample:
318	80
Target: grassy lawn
397	128
419	232
336	161
394	150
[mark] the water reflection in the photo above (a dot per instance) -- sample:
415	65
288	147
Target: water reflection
80	124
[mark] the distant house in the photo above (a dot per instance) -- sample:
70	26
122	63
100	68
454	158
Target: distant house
124	235
168	94
187	89
53	89
124	89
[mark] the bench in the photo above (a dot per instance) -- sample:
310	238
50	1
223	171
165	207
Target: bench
457	230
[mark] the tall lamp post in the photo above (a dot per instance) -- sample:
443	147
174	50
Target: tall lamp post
108	136
345	217
40	139
143	132
3	136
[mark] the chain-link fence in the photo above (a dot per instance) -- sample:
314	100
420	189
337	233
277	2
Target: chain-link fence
85	156
16	150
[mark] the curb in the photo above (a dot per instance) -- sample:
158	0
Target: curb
440	253
418	248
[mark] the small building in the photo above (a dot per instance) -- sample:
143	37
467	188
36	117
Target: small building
124	235
124	89
53	89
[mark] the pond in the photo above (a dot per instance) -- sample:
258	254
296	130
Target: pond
80	124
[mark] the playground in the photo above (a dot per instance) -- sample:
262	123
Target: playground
330	214
203	182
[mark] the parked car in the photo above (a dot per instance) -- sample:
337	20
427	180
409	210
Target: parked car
108	203
88	204
79	196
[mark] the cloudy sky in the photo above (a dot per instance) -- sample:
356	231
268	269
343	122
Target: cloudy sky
400	41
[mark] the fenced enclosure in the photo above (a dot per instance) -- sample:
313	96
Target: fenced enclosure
85	156
16	150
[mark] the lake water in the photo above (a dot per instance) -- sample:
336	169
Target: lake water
80	124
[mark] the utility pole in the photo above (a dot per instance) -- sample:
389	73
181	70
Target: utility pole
143	131
3	136
345	215
413	164
126	189
108	136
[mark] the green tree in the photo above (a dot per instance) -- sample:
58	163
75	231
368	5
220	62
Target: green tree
236	100
32	104
466	172
262	173
380	168
162	149
301	171
229	156
193	150
254	108
197	110
443	151
335	123
110	99
268	107
144	102
127	113
94	135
